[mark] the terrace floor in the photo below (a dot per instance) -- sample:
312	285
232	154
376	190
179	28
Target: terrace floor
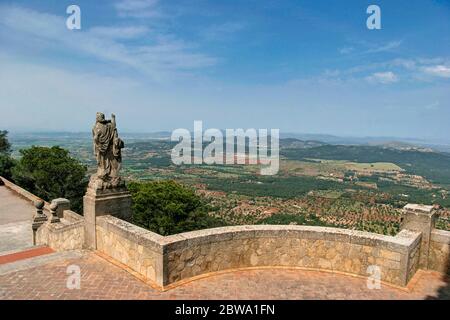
45	277
15	221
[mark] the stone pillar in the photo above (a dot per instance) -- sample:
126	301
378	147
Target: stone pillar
422	219
100	202
39	218
62	204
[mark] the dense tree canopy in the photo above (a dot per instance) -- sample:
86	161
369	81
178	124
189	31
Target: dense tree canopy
51	173
5	146
166	207
6	162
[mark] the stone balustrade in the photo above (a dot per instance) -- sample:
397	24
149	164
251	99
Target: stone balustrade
66	234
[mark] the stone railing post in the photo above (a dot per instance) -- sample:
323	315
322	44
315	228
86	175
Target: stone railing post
97	203
62	205
422	219
39	218
54	213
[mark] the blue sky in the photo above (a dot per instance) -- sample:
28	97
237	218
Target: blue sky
300	66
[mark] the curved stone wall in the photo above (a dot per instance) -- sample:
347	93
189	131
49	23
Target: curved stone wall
167	260
196	253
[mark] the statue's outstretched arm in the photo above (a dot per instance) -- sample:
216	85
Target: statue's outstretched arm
94	141
113	120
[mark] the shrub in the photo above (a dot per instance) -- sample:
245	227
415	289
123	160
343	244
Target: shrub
51	173
6	162
167	207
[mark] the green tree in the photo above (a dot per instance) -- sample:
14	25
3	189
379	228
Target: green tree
51	173
6	162
5	146
166	207
6	165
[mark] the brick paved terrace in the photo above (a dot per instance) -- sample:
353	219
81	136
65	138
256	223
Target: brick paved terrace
15	220
100	279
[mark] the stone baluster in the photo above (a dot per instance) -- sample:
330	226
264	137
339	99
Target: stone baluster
63	204
53	211
39	218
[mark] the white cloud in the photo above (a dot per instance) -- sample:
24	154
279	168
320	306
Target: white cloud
383	77
221	31
160	58
346	50
407	64
418	69
438	71
433	106
390	46
119	32
137	8
387	47
365	47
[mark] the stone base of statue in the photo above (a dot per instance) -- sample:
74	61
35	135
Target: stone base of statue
99	201
104	183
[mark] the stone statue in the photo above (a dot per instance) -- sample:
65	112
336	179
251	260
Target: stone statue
106	193
107	150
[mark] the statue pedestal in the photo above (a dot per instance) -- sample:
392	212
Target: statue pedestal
100	202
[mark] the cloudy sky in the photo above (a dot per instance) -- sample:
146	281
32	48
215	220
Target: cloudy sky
300	66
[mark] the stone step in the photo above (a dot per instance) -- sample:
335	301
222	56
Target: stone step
20	249
18	255
39	260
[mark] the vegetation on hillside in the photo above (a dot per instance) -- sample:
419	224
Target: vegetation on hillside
293	219
431	165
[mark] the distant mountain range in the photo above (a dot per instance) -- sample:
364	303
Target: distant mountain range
294	140
388	142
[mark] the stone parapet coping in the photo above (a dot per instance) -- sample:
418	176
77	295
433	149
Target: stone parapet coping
24	193
64	225
401	243
418	208
441	236
72	216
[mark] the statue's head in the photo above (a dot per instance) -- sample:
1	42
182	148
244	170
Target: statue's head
100	117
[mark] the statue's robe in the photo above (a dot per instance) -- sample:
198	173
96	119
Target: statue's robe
107	147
